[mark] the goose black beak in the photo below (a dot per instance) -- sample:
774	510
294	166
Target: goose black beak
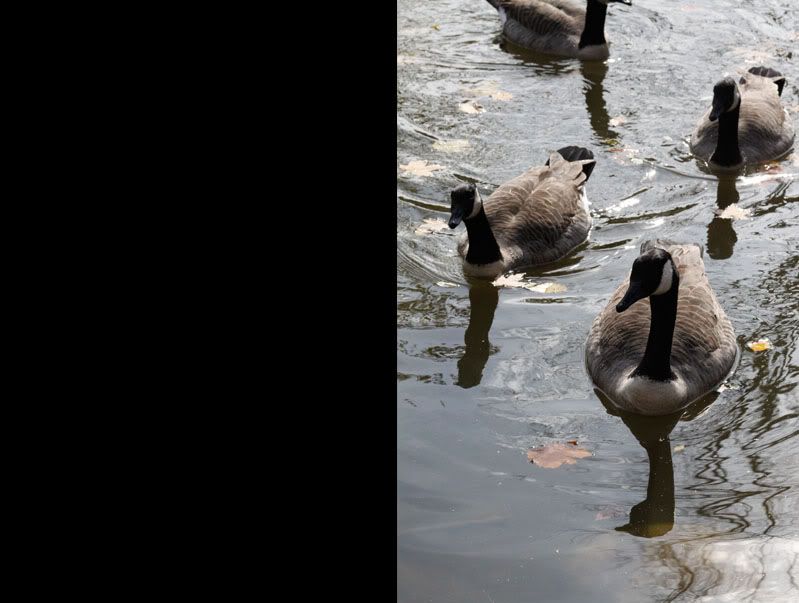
717	110
634	293
456	217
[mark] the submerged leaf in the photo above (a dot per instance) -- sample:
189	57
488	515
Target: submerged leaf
431	225
451	146
556	454
489	88
502	96
420	168
761	345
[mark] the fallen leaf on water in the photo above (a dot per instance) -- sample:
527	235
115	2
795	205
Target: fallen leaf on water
761	345
420	168
431	225
733	212
679	448
437	27
501	96
446	284
471	107
517	280
555	455
572	442
617	121
451	146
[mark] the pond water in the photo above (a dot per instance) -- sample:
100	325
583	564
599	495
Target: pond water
698	507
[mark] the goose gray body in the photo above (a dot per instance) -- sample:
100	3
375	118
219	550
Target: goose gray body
555	27
703	348
764	127
536	218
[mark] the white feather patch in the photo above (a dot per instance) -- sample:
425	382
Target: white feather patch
478	203
666	279
492	270
649	397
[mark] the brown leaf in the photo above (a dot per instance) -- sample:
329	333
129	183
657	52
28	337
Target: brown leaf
556	454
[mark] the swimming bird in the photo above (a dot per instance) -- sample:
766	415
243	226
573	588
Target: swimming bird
746	123
557	26
535	218
663	340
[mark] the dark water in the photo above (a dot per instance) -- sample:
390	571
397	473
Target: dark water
703	507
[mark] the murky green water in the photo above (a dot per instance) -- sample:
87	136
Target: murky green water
708	505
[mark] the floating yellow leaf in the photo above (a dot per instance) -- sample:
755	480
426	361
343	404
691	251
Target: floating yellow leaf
431	225
679	448
451	146
437	27
471	107
761	345
420	168
555	455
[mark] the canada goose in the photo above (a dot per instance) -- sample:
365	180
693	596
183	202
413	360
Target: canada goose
557	26
657	362
535	218
746	123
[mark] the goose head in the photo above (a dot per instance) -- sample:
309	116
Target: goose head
726	97
465	203
653	274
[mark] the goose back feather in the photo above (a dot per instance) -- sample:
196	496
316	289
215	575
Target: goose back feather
541	215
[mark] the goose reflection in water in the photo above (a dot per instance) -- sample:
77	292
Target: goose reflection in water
594	74
654	516
721	235
483	298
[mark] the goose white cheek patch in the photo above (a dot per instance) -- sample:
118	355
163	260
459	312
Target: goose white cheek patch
665	279
478	203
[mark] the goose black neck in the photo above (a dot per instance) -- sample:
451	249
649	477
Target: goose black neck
656	363
483	247
727	152
594	30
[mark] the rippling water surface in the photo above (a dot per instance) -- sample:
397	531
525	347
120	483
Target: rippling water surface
698	507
